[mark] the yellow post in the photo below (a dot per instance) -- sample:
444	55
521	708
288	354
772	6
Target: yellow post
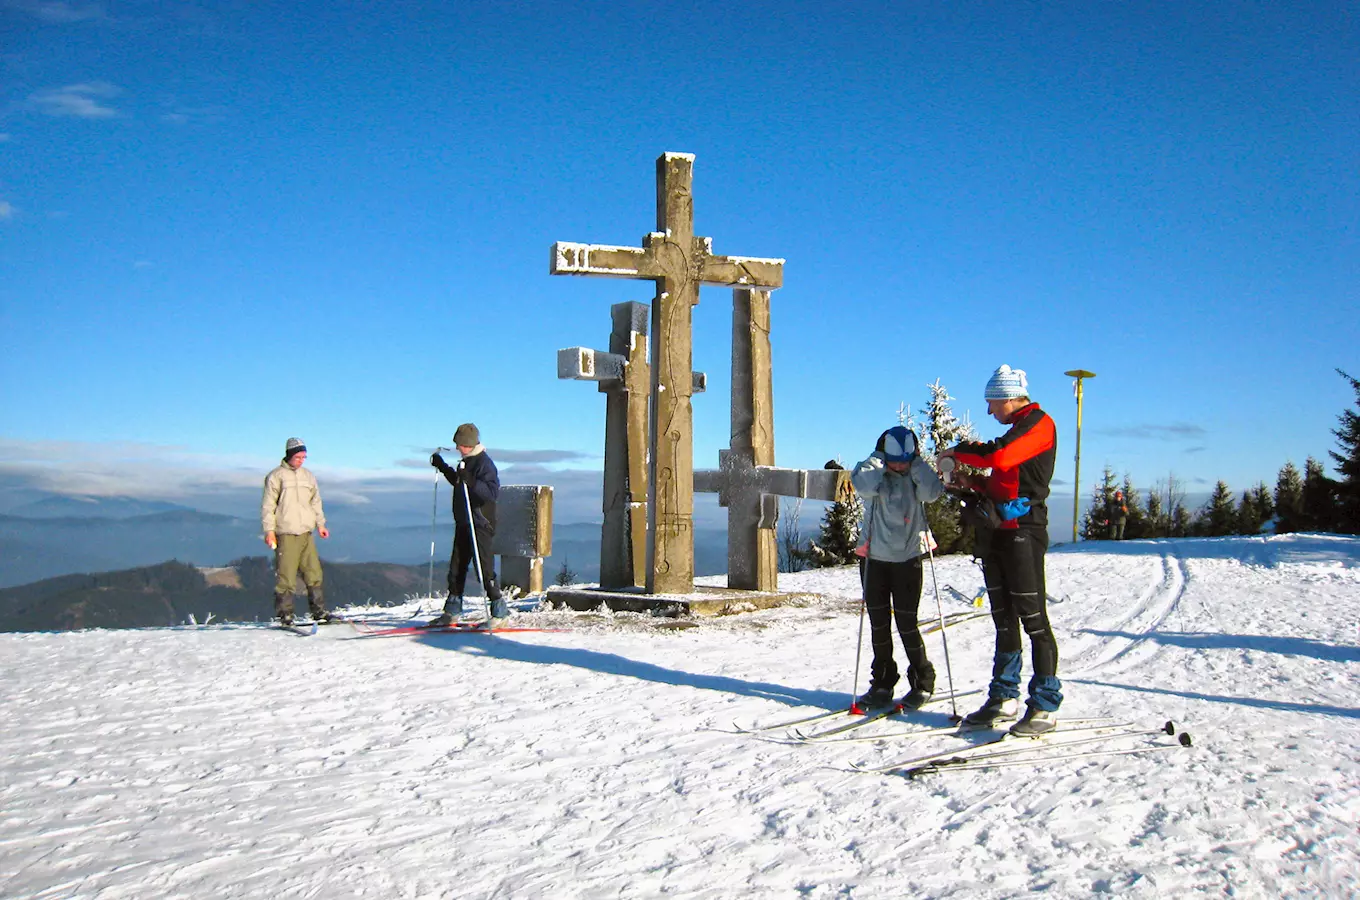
1078	374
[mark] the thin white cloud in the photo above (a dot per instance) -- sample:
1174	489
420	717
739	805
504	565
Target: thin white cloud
142	264
55	12
6	210
82	101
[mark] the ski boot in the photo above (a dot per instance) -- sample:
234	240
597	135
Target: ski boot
453	611
1036	722
922	681
874	699
996	709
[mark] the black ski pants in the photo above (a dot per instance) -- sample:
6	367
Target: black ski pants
1013	568
461	559
892	591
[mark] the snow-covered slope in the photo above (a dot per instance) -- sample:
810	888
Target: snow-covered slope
599	761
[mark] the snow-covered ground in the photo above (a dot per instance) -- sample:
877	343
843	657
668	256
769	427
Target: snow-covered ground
599	761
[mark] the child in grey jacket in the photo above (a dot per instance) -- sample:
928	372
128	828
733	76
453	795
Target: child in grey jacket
894	481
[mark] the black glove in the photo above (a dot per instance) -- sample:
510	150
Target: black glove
438	461
832	464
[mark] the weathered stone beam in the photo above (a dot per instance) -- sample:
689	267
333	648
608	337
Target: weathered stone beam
747	271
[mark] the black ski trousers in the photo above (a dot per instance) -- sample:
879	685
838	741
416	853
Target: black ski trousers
1013	569
461	559
892	591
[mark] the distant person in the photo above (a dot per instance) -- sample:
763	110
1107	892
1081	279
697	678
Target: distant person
476	485
1118	516
894	481
290	510
1013	551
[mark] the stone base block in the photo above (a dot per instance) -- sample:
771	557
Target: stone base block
705	601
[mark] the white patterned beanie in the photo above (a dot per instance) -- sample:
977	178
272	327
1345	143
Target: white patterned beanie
294	445
1007	384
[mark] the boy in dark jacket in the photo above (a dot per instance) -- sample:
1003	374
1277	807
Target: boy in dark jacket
476	485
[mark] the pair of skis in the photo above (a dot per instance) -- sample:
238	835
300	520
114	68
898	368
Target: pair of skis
1010	750
806	730
451	628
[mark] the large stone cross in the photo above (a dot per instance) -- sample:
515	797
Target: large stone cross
625	379
678	262
747	482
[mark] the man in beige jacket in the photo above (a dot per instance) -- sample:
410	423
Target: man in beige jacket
290	510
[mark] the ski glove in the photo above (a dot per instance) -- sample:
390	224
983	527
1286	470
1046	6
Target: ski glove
436	460
1013	509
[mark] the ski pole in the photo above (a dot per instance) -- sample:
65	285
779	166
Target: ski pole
935	582
434	515
476	554
863	602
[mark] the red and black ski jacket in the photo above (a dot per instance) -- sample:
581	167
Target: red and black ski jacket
1021	461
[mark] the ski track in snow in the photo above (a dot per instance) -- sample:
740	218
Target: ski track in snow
240	761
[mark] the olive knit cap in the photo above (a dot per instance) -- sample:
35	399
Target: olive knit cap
466	435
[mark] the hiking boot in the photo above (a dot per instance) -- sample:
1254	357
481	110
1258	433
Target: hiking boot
442	620
1036	722
283	606
286	619
875	698
316	604
496	622
994	710
326	618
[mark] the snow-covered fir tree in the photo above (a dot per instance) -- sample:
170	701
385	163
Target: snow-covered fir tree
1288	500
1348	464
944	429
839	536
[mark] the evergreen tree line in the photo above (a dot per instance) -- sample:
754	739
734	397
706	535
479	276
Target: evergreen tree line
1308	502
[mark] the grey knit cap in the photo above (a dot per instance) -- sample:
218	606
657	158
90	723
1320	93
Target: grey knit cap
466	435
294	445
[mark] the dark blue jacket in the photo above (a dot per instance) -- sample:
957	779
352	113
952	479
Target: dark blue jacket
483	487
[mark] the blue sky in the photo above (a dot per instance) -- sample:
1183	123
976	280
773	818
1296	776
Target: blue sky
222	224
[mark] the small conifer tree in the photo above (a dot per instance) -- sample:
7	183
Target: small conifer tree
1095	523
1348	464
1137	525
1288	500
839	536
1319	498
1219	515
1157	522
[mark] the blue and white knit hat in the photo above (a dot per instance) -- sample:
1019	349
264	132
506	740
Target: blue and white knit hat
294	445
1007	384
897	444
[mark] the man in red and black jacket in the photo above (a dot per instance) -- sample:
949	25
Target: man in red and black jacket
1021	463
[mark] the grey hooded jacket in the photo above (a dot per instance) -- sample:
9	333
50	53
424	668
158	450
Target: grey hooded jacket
894	524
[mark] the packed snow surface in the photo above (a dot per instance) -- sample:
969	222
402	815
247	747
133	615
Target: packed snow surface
601	760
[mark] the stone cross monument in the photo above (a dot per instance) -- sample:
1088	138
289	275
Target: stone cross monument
624	378
678	261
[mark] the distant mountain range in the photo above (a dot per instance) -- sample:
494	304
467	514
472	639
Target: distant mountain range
172	592
58	536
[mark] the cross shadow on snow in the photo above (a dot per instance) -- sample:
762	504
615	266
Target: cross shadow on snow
1203	640
614	664
1257	702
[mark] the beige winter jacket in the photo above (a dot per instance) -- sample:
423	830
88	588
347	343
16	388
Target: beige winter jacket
292	502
